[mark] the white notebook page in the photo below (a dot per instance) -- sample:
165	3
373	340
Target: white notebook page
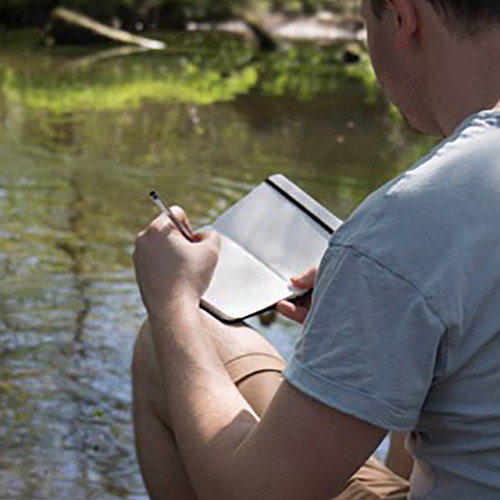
275	231
242	285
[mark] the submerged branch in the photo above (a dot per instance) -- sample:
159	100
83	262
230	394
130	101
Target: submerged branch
103	55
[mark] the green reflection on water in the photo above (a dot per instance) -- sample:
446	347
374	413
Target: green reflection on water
84	91
82	141
203	75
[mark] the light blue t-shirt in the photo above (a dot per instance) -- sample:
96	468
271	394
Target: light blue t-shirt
404	331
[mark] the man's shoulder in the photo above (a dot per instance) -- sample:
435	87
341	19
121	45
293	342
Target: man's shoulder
437	214
460	176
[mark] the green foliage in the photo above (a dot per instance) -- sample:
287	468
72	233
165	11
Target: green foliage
17	13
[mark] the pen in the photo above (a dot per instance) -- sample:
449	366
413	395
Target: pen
187	233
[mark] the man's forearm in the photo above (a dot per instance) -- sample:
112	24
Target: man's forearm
208	415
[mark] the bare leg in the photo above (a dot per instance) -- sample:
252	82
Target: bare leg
161	466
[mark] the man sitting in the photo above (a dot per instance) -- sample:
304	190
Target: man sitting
404	330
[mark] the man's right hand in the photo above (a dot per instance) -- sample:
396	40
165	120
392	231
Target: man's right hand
298	310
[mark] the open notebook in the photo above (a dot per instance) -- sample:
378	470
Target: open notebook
273	233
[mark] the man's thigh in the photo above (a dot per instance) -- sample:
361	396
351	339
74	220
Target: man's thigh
374	481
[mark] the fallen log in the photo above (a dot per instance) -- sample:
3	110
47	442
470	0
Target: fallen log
68	26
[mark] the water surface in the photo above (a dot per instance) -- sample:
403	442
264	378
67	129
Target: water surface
82	141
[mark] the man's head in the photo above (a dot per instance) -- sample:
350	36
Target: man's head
436	58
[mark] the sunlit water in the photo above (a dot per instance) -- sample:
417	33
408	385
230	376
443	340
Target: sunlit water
82	141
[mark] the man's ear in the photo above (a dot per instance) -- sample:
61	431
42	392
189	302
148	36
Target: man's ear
406	14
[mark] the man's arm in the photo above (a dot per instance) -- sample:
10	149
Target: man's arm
301	449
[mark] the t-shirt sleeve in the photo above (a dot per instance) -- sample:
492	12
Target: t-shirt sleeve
370	344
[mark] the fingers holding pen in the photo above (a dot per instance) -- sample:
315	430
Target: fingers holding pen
196	237
183	226
171	219
182	217
170	264
161	225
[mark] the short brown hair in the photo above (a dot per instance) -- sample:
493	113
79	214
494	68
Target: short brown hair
469	16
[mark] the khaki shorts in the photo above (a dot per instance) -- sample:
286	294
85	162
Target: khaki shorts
258	377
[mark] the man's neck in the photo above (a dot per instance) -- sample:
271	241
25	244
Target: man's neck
464	79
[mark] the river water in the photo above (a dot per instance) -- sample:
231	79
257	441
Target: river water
84	135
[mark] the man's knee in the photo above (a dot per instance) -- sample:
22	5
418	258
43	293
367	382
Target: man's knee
146	371
235	340
251	361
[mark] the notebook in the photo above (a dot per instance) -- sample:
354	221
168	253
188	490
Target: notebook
273	233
